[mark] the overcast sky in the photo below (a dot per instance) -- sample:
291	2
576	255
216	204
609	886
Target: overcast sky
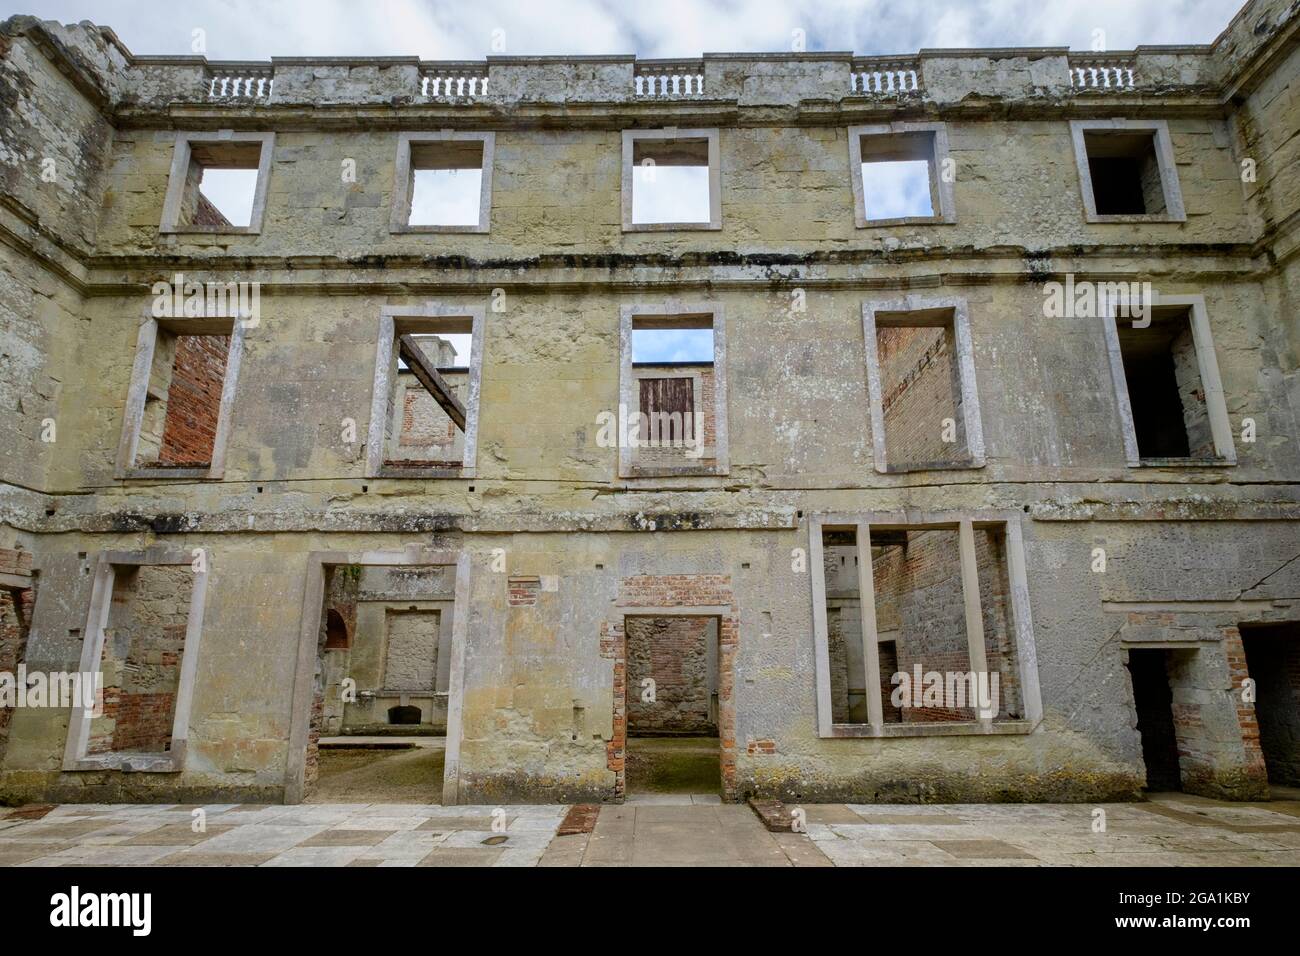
460	29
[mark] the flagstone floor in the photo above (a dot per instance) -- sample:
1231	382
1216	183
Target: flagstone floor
672	830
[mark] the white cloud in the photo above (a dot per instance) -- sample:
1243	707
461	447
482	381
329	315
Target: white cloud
243	29
897	189
672	345
670	194
446	197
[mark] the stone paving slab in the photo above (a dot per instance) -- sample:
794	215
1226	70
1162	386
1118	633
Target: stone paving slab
1173	830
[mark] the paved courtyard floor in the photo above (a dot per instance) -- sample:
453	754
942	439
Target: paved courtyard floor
657	830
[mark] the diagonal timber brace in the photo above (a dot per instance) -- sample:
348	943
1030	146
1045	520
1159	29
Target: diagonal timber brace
428	376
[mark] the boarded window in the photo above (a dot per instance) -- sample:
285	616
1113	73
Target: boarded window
667	409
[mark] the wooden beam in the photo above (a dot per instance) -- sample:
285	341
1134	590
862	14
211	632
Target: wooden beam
428	376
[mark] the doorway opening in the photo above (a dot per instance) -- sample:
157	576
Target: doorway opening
673	745
1273	659
379	719
1153	700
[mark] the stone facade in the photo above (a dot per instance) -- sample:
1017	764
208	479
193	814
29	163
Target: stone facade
541	552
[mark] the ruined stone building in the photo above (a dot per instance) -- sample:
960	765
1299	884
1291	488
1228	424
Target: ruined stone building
969	362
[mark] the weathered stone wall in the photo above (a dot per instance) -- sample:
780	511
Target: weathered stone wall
784	190
542	688
411	652
309	364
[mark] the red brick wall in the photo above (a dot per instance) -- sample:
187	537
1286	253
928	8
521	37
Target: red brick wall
522	591
999	622
15	615
1238	672
919	389
613	647
194	399
673	652
888	667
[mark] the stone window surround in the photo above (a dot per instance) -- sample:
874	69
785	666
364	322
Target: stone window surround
965	359
1164	151
427	318
404	181
75	756
941	191
674	314
180	169
630	137
138	393
304	682
965	524
446	609
1207	363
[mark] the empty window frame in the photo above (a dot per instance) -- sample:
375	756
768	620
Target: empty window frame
443	182
178	407
673	415
142	635
930	634
1127	171
671	180
218	182
425	402
898	174
1167	385
921	384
